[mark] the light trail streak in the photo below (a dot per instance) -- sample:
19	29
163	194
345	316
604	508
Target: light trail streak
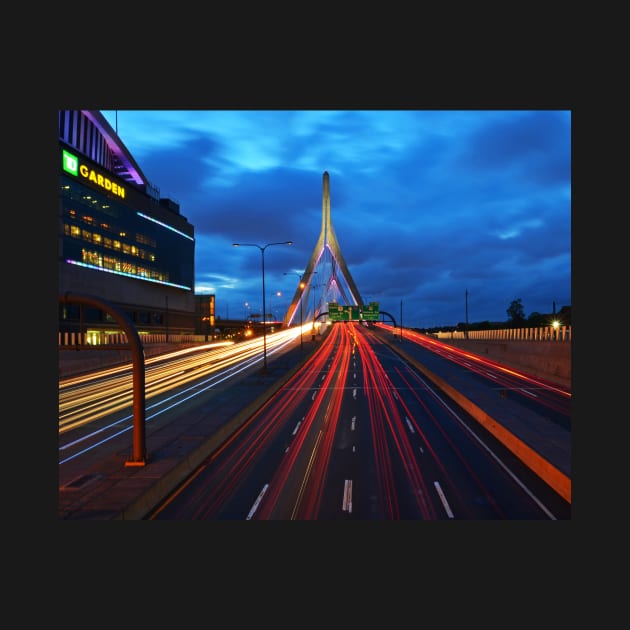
78	380
459	356
221	372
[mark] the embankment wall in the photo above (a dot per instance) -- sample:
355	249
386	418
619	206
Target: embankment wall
550	360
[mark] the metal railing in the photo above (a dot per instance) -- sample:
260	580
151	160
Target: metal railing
543	333
71	339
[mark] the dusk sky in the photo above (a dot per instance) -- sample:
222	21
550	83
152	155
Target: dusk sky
433	210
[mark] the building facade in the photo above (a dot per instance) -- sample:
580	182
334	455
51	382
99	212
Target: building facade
118	240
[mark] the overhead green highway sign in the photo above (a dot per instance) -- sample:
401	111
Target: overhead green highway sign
352	312
337	312
371	311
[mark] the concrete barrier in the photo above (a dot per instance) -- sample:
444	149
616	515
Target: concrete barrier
549	360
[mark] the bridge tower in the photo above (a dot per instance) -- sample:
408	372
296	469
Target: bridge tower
326	269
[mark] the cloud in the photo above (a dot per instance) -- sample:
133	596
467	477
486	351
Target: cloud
426	205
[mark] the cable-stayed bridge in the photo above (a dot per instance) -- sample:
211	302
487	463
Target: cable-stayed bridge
326	277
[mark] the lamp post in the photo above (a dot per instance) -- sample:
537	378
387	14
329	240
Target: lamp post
166	297
313	287
302	285
466	331
262	249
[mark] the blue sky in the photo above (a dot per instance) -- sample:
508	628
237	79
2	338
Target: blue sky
434	211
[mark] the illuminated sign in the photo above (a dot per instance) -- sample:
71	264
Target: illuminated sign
72	166
341	313
337	312
371	312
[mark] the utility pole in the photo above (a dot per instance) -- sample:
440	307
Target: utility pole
466	331
166	298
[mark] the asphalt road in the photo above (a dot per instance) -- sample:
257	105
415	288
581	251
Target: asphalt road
106	489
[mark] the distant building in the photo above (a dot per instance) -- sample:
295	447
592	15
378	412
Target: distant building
118	240
204	314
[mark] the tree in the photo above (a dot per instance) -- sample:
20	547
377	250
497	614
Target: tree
564	315
516	312
537	320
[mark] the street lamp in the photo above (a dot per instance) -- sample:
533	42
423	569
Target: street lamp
262	249
313	287
556	324
278	294
301	285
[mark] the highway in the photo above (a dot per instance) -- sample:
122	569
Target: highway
551	400
359	434
95	410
